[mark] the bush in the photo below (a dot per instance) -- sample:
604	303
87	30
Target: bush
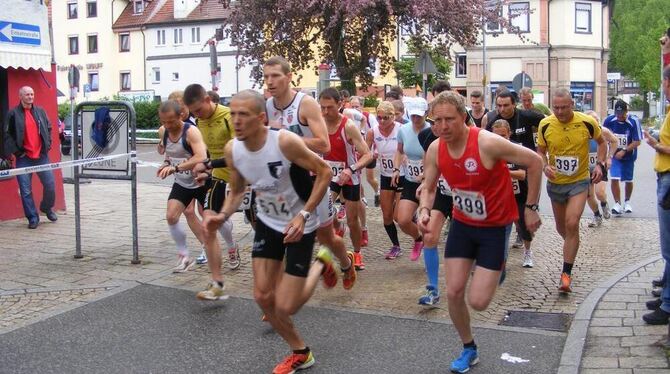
147	114
63	110
371	101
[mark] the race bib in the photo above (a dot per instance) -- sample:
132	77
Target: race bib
414	170
246	200
623	140
387	164
337	167
593	158
443	186
566	165
535	138
470	203
176	161
273	206
516	187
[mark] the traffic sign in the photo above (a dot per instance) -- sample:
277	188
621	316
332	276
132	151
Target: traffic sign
424	64
522	80
20	33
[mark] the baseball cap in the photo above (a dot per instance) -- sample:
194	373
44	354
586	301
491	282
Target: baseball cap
417	106
620	107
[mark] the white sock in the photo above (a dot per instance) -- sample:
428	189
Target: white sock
179	237
226	231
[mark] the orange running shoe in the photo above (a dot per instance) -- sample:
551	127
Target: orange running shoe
364	238
294	362
565	283
349	276
328	273
358	261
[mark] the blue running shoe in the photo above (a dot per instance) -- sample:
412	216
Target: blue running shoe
431	297
468	358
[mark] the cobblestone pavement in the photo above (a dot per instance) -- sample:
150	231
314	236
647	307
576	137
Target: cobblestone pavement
43	258
618	340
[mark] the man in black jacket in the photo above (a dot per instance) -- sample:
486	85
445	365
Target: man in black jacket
523	123
28	137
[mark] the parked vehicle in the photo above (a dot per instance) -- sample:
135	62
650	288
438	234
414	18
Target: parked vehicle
66	136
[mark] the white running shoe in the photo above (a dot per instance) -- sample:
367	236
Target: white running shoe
234	257
627	208
596	221
518	243
616	208
202	259
606	211
528	258
185	264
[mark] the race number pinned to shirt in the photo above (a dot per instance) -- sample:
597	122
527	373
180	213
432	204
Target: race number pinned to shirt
516	187
470	203
387	163
337	167
593	158
566	165
273	205
246	200
622	140
443	186
414	170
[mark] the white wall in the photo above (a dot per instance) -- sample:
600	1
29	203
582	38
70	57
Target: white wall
562	24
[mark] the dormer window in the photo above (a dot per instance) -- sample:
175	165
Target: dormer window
138	6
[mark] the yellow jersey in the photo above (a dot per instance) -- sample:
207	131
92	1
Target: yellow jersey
216	131
568	145
662	161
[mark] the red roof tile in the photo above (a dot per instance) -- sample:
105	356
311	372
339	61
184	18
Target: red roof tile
128	20
211	10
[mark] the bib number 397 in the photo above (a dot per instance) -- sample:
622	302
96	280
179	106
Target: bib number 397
470	203
566	165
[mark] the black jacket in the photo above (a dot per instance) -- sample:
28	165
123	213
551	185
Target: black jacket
15	125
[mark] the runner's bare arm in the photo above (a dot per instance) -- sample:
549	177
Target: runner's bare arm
310	113
484	121
237	185
160	147
612	142
428	186
354	137
518	174
194	139
397	161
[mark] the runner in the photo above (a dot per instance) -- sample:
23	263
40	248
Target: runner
526	96
399	112
385	139
276	164
346	146
301	114
478	110
473	162
369	168
214	123
563	144
597	192
184	149
410	153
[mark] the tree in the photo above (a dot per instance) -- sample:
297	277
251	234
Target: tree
635	51
408	77
354	35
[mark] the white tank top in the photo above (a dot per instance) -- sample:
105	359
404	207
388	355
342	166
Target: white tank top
176	153
288	118
387	147
267	171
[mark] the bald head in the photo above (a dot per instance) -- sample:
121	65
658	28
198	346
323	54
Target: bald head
27	96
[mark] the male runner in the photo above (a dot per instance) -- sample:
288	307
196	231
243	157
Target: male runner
597	191
526	96
301	114
184	149
563	144
474	163
478	110
276	164
214	123
369	168
522	122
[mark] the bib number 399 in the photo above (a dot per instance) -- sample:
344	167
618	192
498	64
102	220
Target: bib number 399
470	203
567	165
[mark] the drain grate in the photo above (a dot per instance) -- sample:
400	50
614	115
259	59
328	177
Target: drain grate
537	320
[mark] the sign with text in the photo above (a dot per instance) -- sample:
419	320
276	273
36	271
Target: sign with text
20	33
116	136
133	96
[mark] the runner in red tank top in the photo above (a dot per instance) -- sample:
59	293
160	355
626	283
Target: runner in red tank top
473	162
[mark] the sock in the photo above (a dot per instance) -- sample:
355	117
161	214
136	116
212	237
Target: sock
432	261
603	204
179	237
303	351
419	239
226	231
567	268
219	283
596	213
392	232
470	345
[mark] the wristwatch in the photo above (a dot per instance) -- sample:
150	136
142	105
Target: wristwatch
533	207
206	163
176	168
305	214
353	170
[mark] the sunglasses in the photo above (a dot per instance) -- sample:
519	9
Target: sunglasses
384	118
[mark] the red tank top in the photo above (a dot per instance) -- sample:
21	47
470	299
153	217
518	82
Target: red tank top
482	197
340	156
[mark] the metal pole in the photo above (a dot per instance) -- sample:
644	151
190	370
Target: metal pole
75	156
133	183
484	79
213	63
662	97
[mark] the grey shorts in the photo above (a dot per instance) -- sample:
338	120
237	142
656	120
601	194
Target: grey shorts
560	193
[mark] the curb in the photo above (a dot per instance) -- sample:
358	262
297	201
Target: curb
573	349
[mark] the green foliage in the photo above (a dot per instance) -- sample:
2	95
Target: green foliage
371	101
404	68
147	114
64	110
637	103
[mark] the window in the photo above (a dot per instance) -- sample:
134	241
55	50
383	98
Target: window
125	81
195	34
73	45
156	75
178	36
493	26
91	8
124	42
72	10
92	43
519	16
175	76
93	81
138	6
160	37
583	18
461	65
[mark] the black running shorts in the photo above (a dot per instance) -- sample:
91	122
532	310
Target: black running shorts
269	244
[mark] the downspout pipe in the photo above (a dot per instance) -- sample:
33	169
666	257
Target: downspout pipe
144	58
549	86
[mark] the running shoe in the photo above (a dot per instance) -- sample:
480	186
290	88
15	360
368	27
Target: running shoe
349	276
606	211
659	282
528	258
364	200
416	251
468	358
596	221
393	253
377	201
202	259
234	257
616	208
340	232
342	212
213	292
294	362
518	243
364	238
431	297
566	280
328	273
358	261
627	208
654	304
185	264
